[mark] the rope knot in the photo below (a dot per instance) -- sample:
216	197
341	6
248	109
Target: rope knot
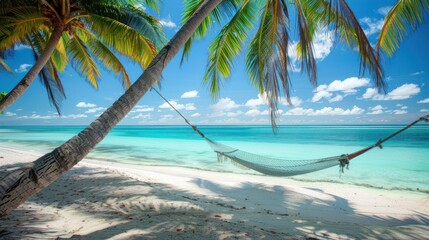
344	162
378	144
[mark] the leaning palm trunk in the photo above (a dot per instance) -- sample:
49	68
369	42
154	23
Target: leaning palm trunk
19	185
23	85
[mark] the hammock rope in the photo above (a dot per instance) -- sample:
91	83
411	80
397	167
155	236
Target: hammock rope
282	167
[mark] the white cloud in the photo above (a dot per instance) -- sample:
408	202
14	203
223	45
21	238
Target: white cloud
21	47
371	25
262	99
225	104
426	100
417	73
188	106
85	105
142	116
347	86
403	92
190	94
399	112
166	22
147	109
424	110
23	68
337	98
74	116
256	112
376	110
321	94
326	111
234	114
37	116
384	10
9	114
93	110
323	43
195	115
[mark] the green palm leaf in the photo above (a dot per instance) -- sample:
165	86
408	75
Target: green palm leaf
82	60
105	56
124	39
405	14
228	44
267	60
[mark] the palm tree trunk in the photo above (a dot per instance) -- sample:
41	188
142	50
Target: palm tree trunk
23	85
17	186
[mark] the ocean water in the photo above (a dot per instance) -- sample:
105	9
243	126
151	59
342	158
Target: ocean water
403	163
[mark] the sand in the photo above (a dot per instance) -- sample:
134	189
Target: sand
104	200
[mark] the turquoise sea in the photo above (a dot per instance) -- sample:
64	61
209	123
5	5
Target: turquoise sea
403	163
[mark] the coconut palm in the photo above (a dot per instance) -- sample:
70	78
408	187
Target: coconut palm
77	31
19	185
405	14
267	55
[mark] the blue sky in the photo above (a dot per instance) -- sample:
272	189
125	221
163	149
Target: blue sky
343	96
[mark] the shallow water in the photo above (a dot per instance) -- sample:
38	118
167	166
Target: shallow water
402	164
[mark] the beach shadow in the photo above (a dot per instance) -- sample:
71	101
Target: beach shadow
126	208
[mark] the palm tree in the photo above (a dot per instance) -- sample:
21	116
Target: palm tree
60	31
403	15
19	185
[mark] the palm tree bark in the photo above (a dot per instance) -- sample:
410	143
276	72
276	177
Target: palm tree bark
19	185
23	85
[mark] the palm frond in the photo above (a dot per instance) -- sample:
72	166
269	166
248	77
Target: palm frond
51	81
305	46
126	40
105	56
228	44
347	27
4	66
82	61
267	60
225	9
405	14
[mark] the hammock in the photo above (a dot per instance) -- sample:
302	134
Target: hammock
282	167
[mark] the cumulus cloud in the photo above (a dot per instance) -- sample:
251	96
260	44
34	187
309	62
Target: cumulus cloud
234	114
322	46
21	47
142	116
166	22
85	105
326	111
424	110
371	25
426	100
417	73
262	100
347	86
93	110
403	92
376	110
10	114
23	68
196	115
225	104
384	10
190	94
256	112
178	106
37	116
399	112
74	116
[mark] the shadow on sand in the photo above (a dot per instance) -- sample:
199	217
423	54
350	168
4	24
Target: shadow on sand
125	208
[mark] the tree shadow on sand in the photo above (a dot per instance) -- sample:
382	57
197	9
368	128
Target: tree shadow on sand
126	208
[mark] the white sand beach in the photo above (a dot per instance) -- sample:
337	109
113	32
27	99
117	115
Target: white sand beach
103	200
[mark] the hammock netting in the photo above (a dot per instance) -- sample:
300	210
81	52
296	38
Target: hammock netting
274	166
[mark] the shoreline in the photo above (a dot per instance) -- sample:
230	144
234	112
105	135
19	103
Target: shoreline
98	199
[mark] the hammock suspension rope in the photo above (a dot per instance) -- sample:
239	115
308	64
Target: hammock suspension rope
281	167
